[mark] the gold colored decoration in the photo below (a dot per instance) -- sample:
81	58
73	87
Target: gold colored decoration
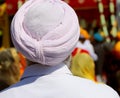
4	26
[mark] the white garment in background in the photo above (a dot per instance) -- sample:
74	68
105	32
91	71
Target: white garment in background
89	47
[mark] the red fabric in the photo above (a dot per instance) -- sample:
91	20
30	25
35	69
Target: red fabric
12	6
88	10
87	4
74	52
23	63
81	51
84	51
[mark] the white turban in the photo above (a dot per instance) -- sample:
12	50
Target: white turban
45	31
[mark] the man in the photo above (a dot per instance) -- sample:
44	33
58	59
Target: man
46	32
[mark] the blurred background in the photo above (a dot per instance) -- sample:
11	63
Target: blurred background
99	28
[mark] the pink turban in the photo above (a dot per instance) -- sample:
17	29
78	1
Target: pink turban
45	31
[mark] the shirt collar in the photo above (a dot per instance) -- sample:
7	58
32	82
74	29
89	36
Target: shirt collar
41	70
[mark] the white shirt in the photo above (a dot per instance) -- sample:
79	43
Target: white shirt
41	81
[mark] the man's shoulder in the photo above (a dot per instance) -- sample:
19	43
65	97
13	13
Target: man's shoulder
94	89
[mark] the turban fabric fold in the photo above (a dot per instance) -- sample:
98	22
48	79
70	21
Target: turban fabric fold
45	31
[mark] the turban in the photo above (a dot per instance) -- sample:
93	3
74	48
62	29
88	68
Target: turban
117	47
83	65
84	34
45	31
98	37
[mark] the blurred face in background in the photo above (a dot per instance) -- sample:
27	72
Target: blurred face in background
9	66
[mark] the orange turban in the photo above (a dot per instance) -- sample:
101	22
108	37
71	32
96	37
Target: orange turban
84	33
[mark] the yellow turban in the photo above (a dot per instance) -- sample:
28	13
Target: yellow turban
84	33
83	65
117	47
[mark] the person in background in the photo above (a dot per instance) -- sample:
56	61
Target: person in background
102	49
9	67
112	67
82	64
46	32
85	43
